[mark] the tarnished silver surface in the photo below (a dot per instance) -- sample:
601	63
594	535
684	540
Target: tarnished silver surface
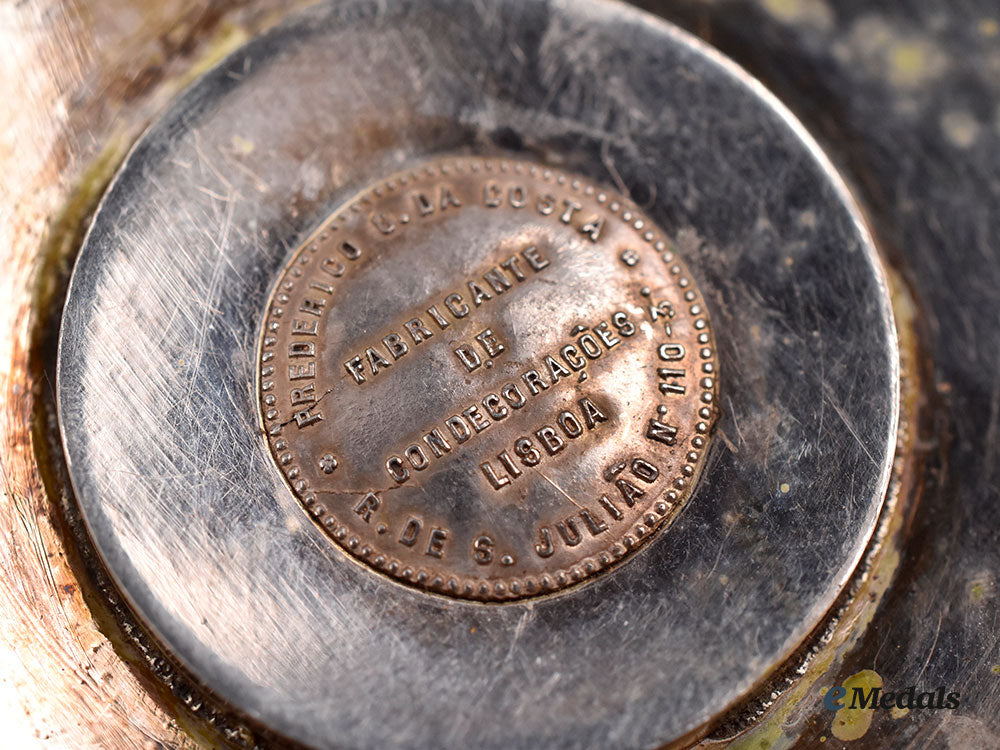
191	517
488	378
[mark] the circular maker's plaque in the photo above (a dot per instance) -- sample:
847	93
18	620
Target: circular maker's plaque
488	379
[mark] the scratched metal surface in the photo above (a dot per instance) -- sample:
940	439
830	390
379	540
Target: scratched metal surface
905	96
874	80
78	82
202	535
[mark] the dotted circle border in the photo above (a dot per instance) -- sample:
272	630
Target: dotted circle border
479	589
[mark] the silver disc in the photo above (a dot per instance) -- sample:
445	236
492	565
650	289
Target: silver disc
200	526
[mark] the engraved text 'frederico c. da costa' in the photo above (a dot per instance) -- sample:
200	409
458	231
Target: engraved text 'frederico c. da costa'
488	379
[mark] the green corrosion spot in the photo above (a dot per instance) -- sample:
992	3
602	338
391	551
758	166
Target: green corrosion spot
768	737
65	232
852	723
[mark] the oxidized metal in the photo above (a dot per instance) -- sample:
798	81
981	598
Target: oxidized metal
903	94
198	526
488	378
